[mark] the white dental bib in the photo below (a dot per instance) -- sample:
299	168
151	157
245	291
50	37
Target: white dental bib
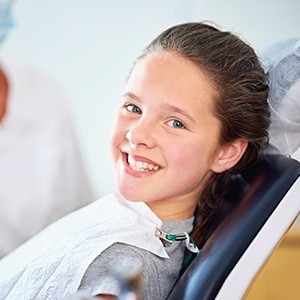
52	264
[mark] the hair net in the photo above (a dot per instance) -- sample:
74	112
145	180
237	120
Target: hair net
282	61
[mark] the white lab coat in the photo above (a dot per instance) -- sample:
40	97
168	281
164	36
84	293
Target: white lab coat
41	172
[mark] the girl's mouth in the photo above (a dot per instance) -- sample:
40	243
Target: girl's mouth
139	165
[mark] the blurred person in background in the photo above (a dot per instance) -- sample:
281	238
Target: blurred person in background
42	176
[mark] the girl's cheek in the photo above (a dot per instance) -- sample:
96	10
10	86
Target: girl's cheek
179	152
118	131
116	125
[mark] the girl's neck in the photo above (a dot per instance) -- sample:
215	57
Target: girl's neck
173	211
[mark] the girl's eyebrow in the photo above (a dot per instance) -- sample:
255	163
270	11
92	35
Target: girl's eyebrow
172	108
131	96
164	106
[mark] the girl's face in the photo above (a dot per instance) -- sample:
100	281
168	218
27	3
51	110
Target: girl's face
165	139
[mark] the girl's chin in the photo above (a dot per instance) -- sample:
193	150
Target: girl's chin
130	197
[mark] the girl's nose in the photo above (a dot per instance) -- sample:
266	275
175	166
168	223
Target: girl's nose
141	134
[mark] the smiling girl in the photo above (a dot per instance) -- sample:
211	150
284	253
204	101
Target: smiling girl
194	111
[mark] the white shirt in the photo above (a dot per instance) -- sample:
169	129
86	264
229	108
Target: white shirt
41	172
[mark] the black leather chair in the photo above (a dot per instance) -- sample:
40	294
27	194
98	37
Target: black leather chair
258	210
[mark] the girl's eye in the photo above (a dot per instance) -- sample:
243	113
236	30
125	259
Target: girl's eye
176	124
133	108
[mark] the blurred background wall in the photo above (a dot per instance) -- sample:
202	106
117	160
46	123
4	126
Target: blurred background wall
89	46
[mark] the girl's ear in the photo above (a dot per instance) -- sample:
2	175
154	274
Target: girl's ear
229	155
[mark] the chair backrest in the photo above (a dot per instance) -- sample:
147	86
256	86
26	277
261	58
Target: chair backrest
247	232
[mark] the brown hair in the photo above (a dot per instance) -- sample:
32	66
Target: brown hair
242	105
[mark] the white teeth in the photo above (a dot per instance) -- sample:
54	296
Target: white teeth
140	165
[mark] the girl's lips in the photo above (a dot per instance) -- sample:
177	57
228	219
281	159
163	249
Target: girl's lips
138	158
141	158
137	170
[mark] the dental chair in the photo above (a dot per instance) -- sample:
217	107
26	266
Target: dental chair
259	208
